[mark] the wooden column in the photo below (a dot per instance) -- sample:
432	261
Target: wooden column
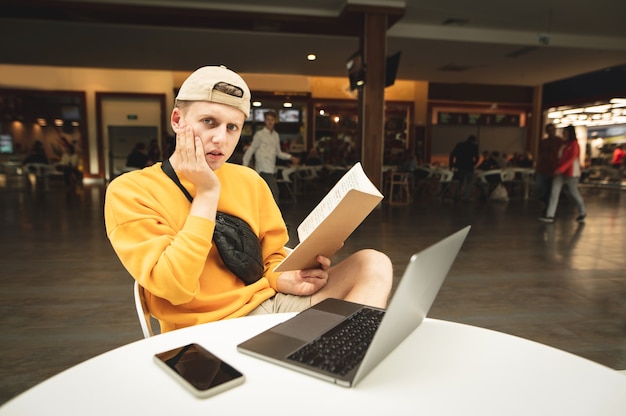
372	100
535	126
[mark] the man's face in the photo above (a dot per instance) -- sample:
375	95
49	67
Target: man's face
218	126
270	121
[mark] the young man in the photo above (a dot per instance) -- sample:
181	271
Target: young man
464	158
547	162
166	242
265	148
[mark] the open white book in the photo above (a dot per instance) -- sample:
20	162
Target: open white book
337	215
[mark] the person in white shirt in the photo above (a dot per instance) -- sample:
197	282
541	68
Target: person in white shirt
265	148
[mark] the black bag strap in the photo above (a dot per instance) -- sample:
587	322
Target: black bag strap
237	244
166	166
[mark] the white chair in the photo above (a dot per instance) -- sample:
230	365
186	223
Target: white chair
398	191
143	313
308	174
446	179
284	177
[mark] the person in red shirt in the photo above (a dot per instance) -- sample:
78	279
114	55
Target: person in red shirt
567	173
547	161
618	156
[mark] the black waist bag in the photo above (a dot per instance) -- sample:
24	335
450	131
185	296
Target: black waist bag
237	244
239	247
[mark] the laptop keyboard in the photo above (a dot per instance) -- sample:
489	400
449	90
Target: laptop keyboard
341	348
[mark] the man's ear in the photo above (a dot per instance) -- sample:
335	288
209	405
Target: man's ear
175	119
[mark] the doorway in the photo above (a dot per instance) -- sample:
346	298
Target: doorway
122	141
124	120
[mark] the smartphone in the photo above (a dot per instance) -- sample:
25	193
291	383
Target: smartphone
200	371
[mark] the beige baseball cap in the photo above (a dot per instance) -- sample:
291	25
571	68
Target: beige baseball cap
216	84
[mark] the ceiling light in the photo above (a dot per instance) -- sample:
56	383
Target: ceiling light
58	122
42	122
618	102
573	111
555	114
257	104
311	57
287	104
598	108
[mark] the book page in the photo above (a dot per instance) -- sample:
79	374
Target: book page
355	178
333	220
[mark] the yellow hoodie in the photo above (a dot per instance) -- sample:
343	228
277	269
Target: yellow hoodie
171	254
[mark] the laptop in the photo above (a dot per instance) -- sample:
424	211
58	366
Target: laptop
294	343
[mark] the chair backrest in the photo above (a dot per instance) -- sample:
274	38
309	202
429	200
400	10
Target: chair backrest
142	311
285	174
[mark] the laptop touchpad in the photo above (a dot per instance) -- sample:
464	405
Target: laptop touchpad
308	324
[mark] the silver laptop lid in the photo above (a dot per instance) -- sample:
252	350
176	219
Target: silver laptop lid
412	299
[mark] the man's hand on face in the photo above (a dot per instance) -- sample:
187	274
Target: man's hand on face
191	160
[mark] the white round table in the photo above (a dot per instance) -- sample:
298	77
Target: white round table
442	368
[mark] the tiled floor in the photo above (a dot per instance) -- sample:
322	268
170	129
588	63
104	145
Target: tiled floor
64	297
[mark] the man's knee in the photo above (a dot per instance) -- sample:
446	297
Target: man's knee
375	263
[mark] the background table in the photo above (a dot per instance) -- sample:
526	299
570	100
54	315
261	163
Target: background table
441	368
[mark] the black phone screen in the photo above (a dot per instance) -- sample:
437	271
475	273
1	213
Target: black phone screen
199	367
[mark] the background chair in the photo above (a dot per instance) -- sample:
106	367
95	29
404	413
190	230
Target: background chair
446	179
284	178
143	313
398	188
308	175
